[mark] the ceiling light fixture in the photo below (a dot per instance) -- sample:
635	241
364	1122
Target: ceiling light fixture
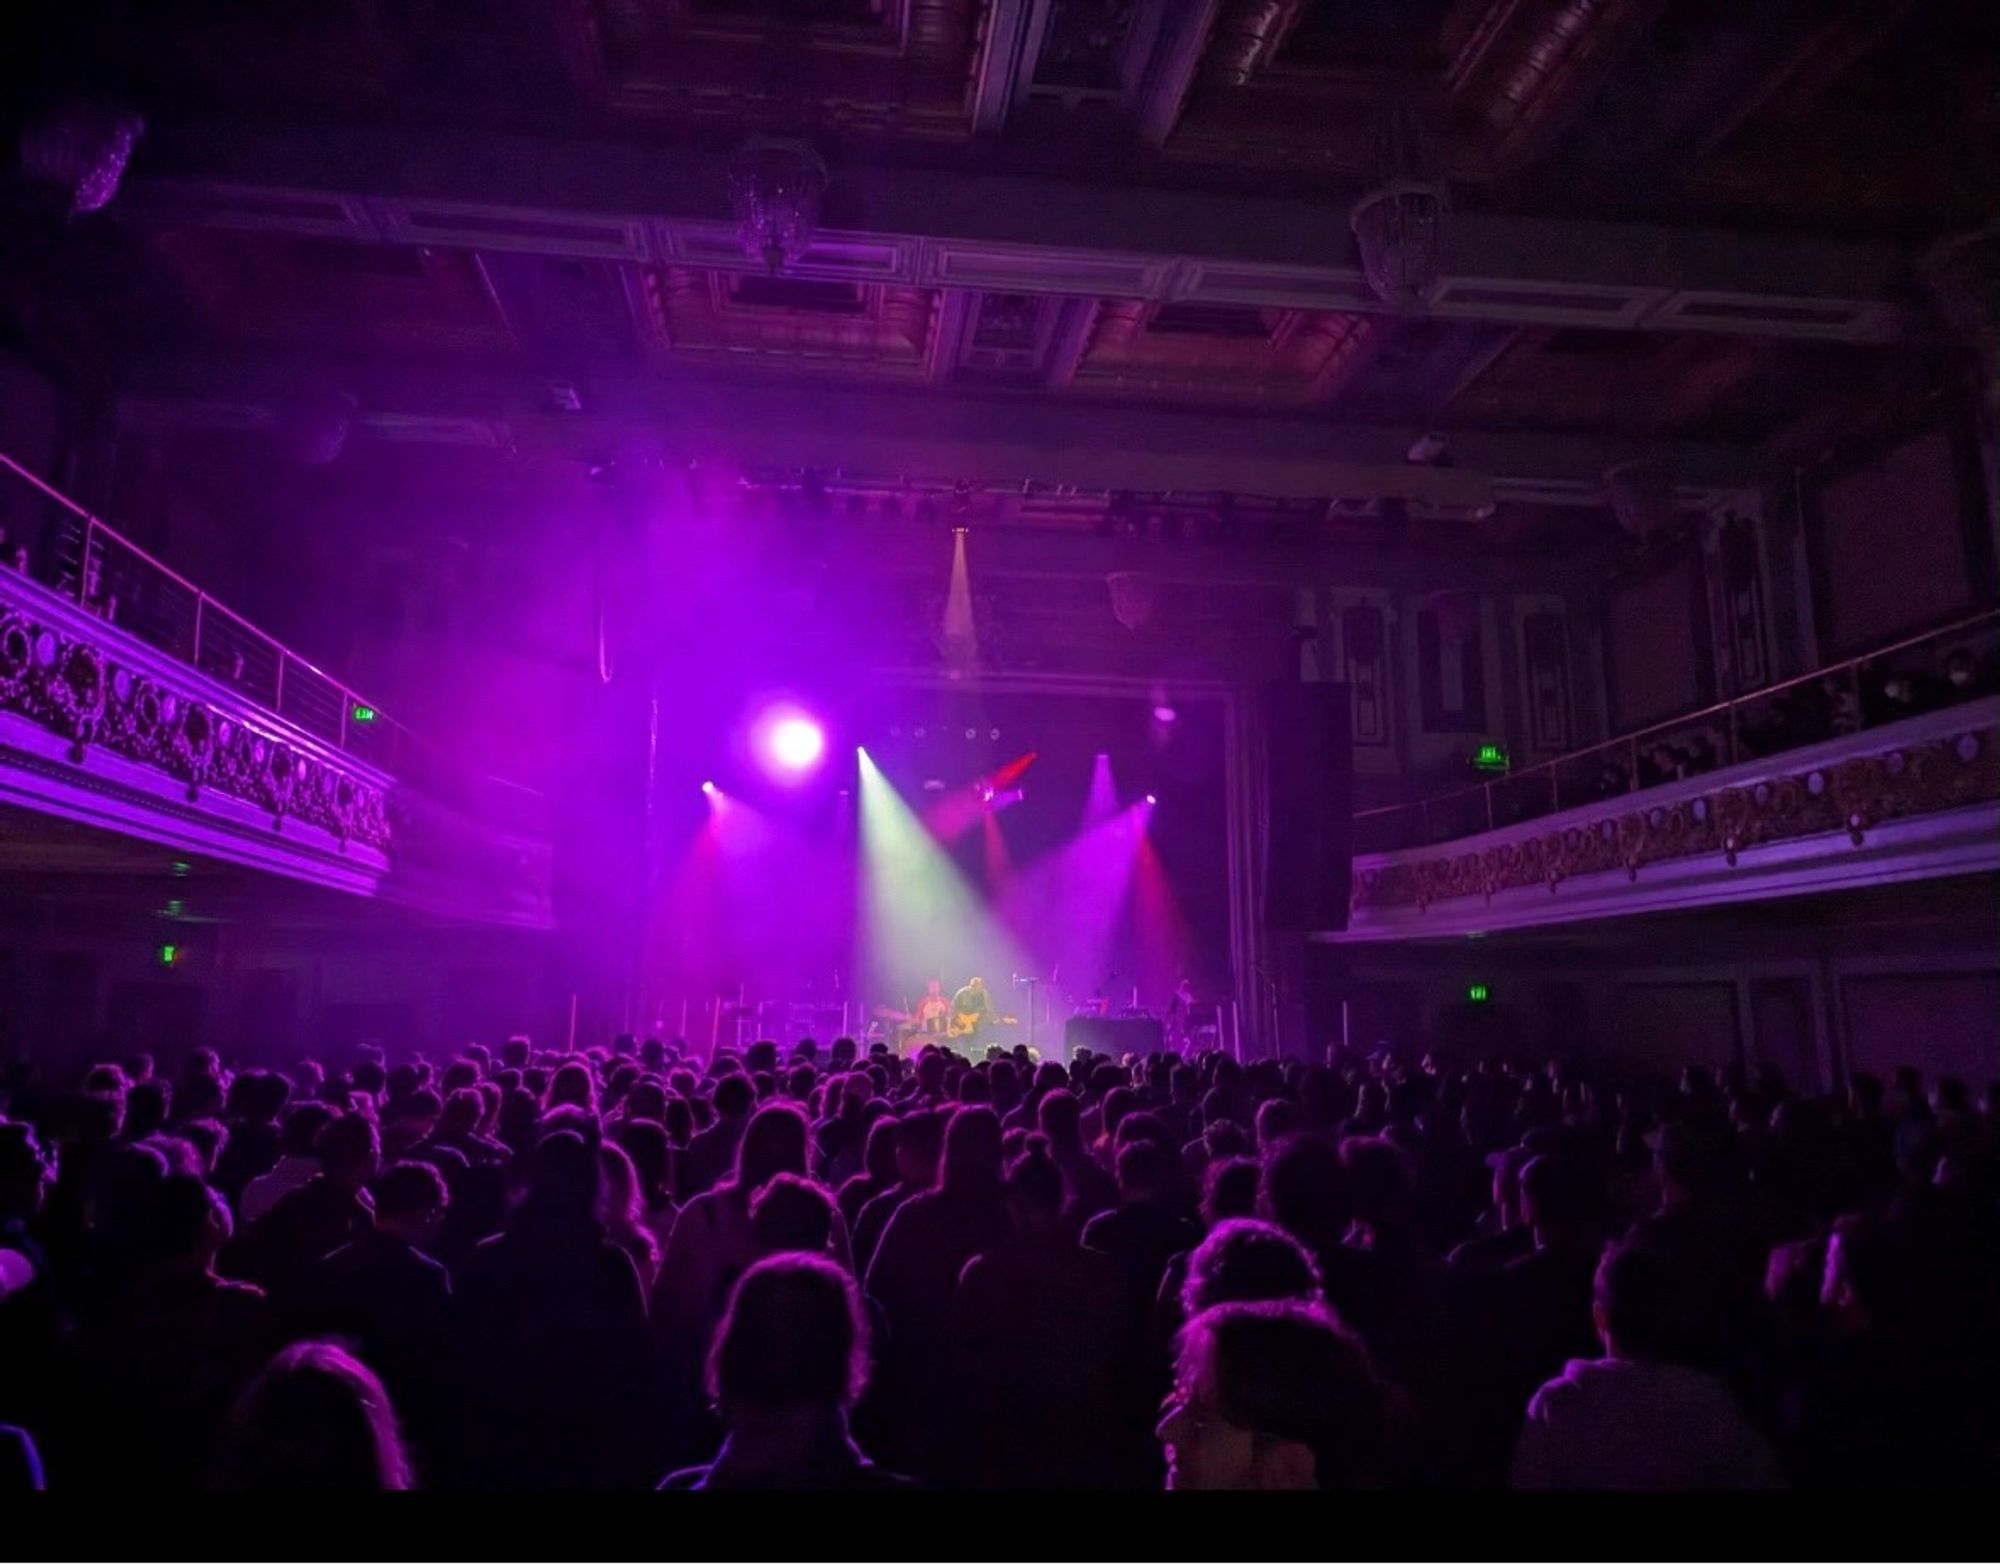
775	189
1401	225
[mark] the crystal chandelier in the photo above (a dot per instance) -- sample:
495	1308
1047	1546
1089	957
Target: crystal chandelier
775	187
1401	224
83	150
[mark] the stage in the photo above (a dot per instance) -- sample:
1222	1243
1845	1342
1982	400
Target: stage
823	862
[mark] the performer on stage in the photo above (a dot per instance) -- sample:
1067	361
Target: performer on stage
971	1008
933	1010
1180	1015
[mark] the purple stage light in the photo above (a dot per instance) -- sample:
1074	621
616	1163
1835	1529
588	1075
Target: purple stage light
710	789
789	742
1151	799
1164	714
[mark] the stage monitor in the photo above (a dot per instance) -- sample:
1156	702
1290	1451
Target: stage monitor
1114	1036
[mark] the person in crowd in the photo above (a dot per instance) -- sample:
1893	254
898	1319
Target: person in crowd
1147	1228
20	1462
572	1086
148	1106
789	1361
329	1209
1240	1260
1229	1189
712	1241
1642	1416
1502	1236
296	1165
645	1141
1243	1260
314	1421
32	1320
625	1213
1397	1306
841	1135
914	1273
1304	1191
792	1215
713	1152
175	1348
458	1127
1707	1220
1900	1393
551	1320
389	1297
1091	1187
1542	1300
876	1175
1044	1363
308	1080
919	1148
1273	1395
255	1102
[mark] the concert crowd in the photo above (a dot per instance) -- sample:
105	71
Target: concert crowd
818	1269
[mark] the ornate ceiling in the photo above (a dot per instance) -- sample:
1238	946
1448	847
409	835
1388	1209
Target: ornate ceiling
1680	221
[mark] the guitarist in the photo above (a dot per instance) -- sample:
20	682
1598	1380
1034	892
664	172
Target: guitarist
971	1008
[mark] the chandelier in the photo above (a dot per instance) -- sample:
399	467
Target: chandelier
83	150
1641	494
775	187
1131	598
313	429
1959	272
1401	224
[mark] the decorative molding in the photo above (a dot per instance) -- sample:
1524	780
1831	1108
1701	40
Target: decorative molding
98	727
933	229
1830	798
61	678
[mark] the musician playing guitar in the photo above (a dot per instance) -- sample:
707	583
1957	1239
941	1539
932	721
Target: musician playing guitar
971	1008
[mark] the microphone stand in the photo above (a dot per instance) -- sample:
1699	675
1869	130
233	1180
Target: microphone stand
1030	985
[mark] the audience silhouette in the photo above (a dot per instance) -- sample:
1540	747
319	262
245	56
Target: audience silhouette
525	1269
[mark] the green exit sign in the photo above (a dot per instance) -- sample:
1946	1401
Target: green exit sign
169	955
1478	993
363	713
1490	757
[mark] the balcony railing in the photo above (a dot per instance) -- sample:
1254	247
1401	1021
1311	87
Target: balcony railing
1840	698
109	575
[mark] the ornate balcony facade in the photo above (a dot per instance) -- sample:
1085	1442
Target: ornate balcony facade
178	728
1912	799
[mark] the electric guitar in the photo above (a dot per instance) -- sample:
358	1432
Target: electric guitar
969	1024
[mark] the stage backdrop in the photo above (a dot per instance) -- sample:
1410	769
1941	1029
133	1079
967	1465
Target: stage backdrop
879	874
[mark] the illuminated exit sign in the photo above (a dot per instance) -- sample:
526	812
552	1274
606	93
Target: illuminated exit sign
1490	757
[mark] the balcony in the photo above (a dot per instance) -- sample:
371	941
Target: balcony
132	701
1735	803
